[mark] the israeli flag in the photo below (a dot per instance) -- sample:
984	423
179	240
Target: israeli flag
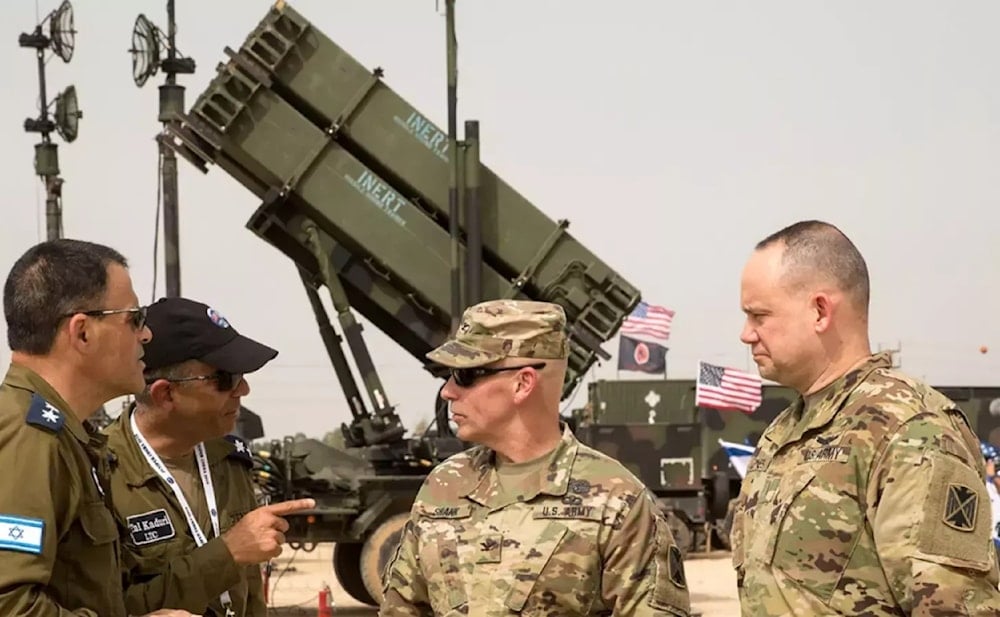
21	534
739	455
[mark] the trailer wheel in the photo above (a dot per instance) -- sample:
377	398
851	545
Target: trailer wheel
347	567
377	550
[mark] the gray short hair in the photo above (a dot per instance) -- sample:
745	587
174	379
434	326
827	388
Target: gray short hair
815	246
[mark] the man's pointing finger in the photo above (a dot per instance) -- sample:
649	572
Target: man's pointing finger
291	506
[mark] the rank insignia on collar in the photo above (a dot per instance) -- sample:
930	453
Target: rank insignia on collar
241	449
960	507
44	414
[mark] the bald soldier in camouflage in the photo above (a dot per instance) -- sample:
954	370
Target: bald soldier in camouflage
529	521
867	495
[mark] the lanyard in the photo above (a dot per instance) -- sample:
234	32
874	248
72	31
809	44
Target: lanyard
206	480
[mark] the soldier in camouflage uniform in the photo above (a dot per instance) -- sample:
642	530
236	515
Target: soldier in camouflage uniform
529	521
866	496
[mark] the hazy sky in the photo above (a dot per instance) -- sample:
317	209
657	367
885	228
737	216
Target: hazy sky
673	135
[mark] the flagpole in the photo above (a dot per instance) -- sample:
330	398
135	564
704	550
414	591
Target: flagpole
618	363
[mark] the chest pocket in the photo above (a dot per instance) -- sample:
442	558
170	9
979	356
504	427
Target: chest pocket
98	524
560	567
440	530
152	537
806	527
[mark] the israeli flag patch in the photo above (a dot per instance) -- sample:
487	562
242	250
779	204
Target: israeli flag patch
21	534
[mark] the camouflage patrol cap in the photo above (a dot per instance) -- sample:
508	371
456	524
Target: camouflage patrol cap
498	329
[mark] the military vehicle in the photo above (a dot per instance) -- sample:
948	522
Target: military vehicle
361	191
655	429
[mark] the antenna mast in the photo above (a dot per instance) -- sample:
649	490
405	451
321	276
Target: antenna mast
453	170
149	44
64	120
463	190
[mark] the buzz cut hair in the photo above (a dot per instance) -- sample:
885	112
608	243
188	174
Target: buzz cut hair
818	247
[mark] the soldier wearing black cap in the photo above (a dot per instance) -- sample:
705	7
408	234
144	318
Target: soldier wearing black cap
181	485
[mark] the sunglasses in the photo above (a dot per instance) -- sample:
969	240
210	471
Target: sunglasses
465	377
224	381
137	315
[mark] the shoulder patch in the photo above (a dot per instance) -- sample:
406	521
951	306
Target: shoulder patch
18	533
241	450
960	507
44	414
955	526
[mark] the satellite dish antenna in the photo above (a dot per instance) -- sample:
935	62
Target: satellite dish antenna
145	50
61	31
153	51
61	40
68	114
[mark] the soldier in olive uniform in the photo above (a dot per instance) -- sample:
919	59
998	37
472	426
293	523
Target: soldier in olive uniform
75	332
181	484
530	521
866	496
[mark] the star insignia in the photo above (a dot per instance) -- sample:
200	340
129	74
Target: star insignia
44	414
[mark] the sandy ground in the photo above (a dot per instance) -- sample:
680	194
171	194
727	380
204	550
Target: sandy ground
298	577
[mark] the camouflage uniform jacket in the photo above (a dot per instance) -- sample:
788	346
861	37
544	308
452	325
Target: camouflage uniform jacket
168	568
59	551
870	502
584	539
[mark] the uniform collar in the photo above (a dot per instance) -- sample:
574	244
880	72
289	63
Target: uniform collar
821	407
21	377
553	479
129	458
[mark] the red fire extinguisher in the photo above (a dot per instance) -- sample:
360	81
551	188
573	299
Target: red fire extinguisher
325	608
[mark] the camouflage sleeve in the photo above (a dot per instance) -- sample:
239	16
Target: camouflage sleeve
38	499
930	515
643	568
182	583
404	588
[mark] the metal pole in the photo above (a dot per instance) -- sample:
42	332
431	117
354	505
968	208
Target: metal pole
473	227
171	215
453	226
50	169
53	207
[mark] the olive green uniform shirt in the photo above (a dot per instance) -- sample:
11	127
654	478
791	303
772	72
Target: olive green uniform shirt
195	576
867	499
578	536
59	551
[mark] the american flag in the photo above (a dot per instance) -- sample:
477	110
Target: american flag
650	320
725	388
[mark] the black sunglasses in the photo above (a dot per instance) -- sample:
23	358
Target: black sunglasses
465	377
224	381
137	317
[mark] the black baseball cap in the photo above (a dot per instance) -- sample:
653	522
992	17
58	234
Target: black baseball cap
184	329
